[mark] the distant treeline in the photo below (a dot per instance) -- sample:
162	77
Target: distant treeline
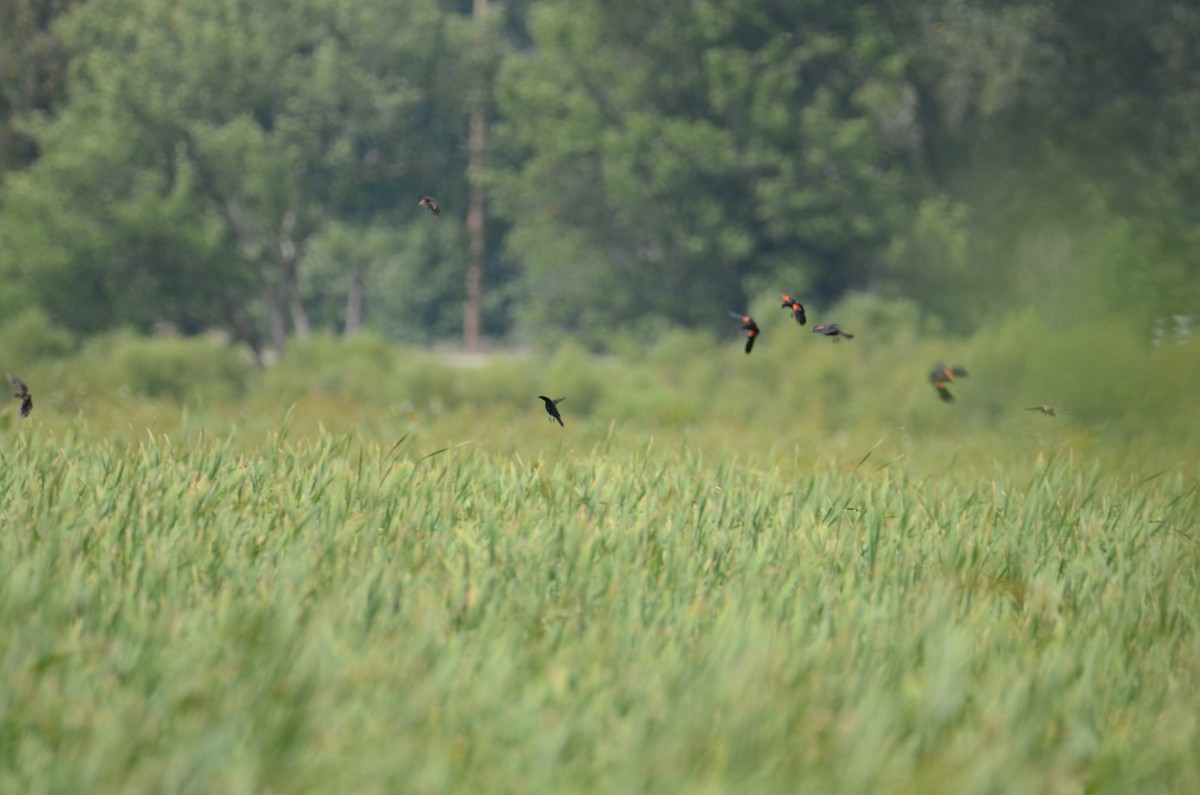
255	167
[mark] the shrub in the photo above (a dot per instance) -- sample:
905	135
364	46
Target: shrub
31	336
361	367
184	369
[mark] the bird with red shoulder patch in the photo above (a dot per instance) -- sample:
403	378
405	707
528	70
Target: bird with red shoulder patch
750	327
796	307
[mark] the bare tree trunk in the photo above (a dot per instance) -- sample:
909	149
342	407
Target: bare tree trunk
276	315
476	208
289	262
295	305
354	302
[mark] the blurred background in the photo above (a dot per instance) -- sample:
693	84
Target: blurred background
212	204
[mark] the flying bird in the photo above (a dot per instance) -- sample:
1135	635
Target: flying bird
1049	411
941	375
749	325
831	330
796	307
552	408
22	394
431	204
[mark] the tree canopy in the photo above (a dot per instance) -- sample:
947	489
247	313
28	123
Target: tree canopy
255	167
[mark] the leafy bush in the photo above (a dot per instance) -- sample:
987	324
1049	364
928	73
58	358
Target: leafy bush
183	369
359	367
31	336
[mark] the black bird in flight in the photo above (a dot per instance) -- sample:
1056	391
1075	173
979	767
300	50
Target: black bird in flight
749	325
941	375
552	408
831	330
1049	411
431	204
796	307
22	394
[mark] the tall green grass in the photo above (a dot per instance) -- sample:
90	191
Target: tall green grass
392	610
374	569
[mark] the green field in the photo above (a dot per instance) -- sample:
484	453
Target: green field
366	571
328	613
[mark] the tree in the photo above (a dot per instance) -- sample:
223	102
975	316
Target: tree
99	233
476	210
665	159
269	120
1060	137
389	265
659	160
32	73
1131	121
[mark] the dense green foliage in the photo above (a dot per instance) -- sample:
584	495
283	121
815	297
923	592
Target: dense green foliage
315	612
254	168
204	147
32	73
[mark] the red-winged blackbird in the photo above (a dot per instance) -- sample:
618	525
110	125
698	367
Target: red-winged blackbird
431	204
796	307
552	408
22	394
749	325
941	375
1049	411
831	330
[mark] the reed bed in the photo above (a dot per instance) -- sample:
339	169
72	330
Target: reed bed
334	613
